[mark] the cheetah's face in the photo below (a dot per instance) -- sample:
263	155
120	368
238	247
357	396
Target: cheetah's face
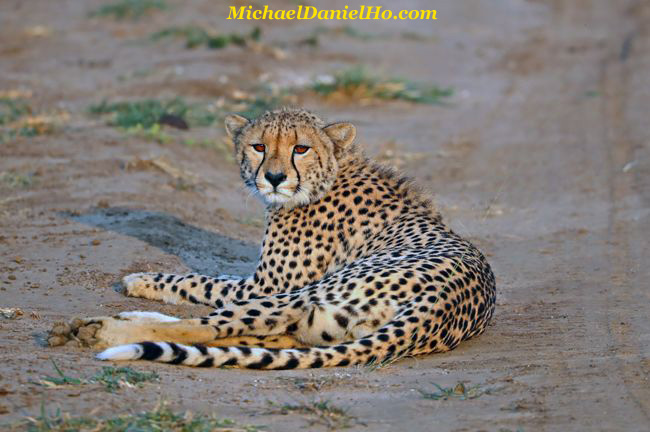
286	160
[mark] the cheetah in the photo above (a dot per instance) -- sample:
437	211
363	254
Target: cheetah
357	267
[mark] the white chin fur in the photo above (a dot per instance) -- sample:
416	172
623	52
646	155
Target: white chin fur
285	197
302	196
276	198
122	352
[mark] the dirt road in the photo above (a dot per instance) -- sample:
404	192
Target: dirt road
542	157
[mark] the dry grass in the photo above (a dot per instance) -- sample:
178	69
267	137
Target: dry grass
133	9
459	391
357	83
161	418
111	378
321	412
198	36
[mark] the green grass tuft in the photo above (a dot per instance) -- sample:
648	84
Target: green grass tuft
111	378
153	133
12	109
459	391
61	378
147	113
319	412
197	36
357	82
160	418
17	119
148	119
133	9
16	180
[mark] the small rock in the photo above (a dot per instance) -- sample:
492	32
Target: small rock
96	242
11	313
11	277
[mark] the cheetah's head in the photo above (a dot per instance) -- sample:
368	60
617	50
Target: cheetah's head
289	156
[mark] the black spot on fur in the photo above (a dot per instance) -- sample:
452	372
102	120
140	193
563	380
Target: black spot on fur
292	363
316	363
341	320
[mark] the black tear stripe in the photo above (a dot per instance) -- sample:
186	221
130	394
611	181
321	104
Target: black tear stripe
293	163
150	351
257	171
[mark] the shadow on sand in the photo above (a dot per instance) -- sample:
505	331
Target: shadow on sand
202	251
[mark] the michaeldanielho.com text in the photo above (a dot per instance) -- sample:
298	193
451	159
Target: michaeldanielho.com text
311	12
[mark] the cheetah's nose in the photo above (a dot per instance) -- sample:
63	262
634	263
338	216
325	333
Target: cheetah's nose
275	178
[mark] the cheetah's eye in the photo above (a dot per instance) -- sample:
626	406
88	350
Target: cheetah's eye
259	147
300	149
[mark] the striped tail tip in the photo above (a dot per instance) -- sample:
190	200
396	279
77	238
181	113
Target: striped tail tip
122	352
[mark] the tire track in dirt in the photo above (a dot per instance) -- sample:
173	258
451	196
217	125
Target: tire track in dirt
620	142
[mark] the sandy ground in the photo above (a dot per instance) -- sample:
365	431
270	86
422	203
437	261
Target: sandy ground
542	158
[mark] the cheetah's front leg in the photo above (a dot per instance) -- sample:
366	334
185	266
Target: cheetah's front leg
191	288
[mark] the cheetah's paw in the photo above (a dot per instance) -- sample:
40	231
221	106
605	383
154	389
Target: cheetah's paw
103	332
139	285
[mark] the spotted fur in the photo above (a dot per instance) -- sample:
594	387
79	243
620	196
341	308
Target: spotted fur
356	267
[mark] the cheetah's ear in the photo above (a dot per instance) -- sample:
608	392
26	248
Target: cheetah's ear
342	134
234	123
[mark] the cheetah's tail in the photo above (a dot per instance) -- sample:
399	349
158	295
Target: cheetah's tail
392	341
